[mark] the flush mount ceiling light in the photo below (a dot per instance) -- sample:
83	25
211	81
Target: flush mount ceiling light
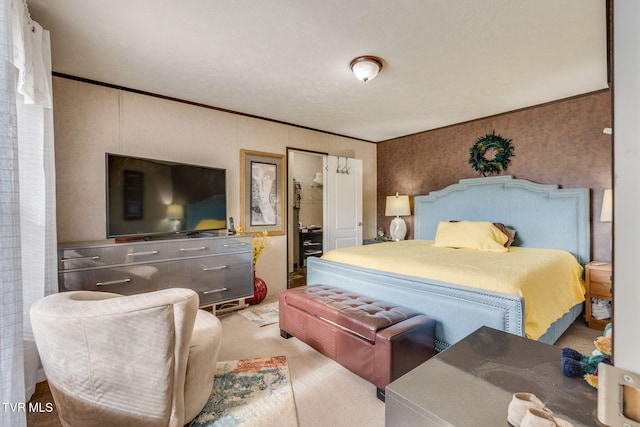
366	68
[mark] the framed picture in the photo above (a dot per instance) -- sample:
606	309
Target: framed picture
262	192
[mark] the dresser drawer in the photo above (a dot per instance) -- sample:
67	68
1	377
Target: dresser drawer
150	252
199	247
600	276
126	280
600	290
190	248
233	245
219	278
74	258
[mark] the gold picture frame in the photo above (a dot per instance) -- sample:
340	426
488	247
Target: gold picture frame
262	192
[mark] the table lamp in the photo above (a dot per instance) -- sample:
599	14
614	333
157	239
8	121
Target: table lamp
397	206
175	213
606	214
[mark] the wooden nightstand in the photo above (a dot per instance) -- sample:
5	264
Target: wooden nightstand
598	285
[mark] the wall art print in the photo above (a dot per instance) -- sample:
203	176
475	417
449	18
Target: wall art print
262	192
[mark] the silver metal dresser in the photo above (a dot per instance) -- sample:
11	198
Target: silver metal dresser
219	269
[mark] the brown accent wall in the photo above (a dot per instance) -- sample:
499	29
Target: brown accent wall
557	143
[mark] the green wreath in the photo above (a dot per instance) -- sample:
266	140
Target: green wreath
502	148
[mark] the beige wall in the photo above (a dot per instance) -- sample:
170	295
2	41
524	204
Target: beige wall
90	120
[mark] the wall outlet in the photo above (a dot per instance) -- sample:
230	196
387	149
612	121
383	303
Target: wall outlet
618	397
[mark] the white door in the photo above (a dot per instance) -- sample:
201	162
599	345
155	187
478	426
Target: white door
343	202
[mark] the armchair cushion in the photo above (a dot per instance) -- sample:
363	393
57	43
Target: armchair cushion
200	370
123	360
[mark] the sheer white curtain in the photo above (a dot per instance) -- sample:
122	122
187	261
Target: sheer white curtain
27	200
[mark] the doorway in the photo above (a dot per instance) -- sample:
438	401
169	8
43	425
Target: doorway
305	191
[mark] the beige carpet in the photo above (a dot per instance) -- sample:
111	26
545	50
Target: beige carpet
326	394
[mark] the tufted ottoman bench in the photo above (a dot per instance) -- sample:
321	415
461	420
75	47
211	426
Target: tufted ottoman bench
376	340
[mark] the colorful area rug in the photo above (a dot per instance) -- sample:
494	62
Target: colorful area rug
262	314
252	392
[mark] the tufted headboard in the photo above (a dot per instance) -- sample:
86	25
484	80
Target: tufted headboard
543	216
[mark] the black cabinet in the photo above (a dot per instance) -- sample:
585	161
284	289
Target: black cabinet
310	245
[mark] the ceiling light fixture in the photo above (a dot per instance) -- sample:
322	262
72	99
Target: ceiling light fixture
366	68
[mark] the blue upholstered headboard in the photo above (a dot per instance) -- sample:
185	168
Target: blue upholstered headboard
543	216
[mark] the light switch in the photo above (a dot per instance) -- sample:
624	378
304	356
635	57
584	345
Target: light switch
618	397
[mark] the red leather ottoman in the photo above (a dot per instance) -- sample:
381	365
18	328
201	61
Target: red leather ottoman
376	340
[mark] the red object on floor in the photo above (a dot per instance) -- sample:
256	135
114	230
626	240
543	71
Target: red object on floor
259	291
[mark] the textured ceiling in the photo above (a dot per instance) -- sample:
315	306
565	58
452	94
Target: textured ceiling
445	62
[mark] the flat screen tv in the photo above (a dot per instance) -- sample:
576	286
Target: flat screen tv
147	197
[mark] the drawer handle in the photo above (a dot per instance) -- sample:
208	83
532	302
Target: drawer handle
214	268
113	282
142	253
80	258
201	248
232	245
214	291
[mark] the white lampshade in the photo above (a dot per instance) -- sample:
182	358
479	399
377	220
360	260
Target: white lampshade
606	214
175	212
366	68
397	206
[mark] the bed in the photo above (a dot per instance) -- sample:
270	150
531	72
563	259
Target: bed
543	216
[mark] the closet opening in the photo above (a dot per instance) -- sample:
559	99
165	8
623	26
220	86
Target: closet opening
305	206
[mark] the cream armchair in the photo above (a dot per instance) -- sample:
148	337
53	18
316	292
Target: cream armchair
140	360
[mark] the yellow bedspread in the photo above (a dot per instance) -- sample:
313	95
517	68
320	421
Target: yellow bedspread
549	280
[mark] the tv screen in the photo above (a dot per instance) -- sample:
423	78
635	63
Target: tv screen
152	197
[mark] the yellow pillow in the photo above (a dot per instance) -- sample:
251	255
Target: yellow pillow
481	236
